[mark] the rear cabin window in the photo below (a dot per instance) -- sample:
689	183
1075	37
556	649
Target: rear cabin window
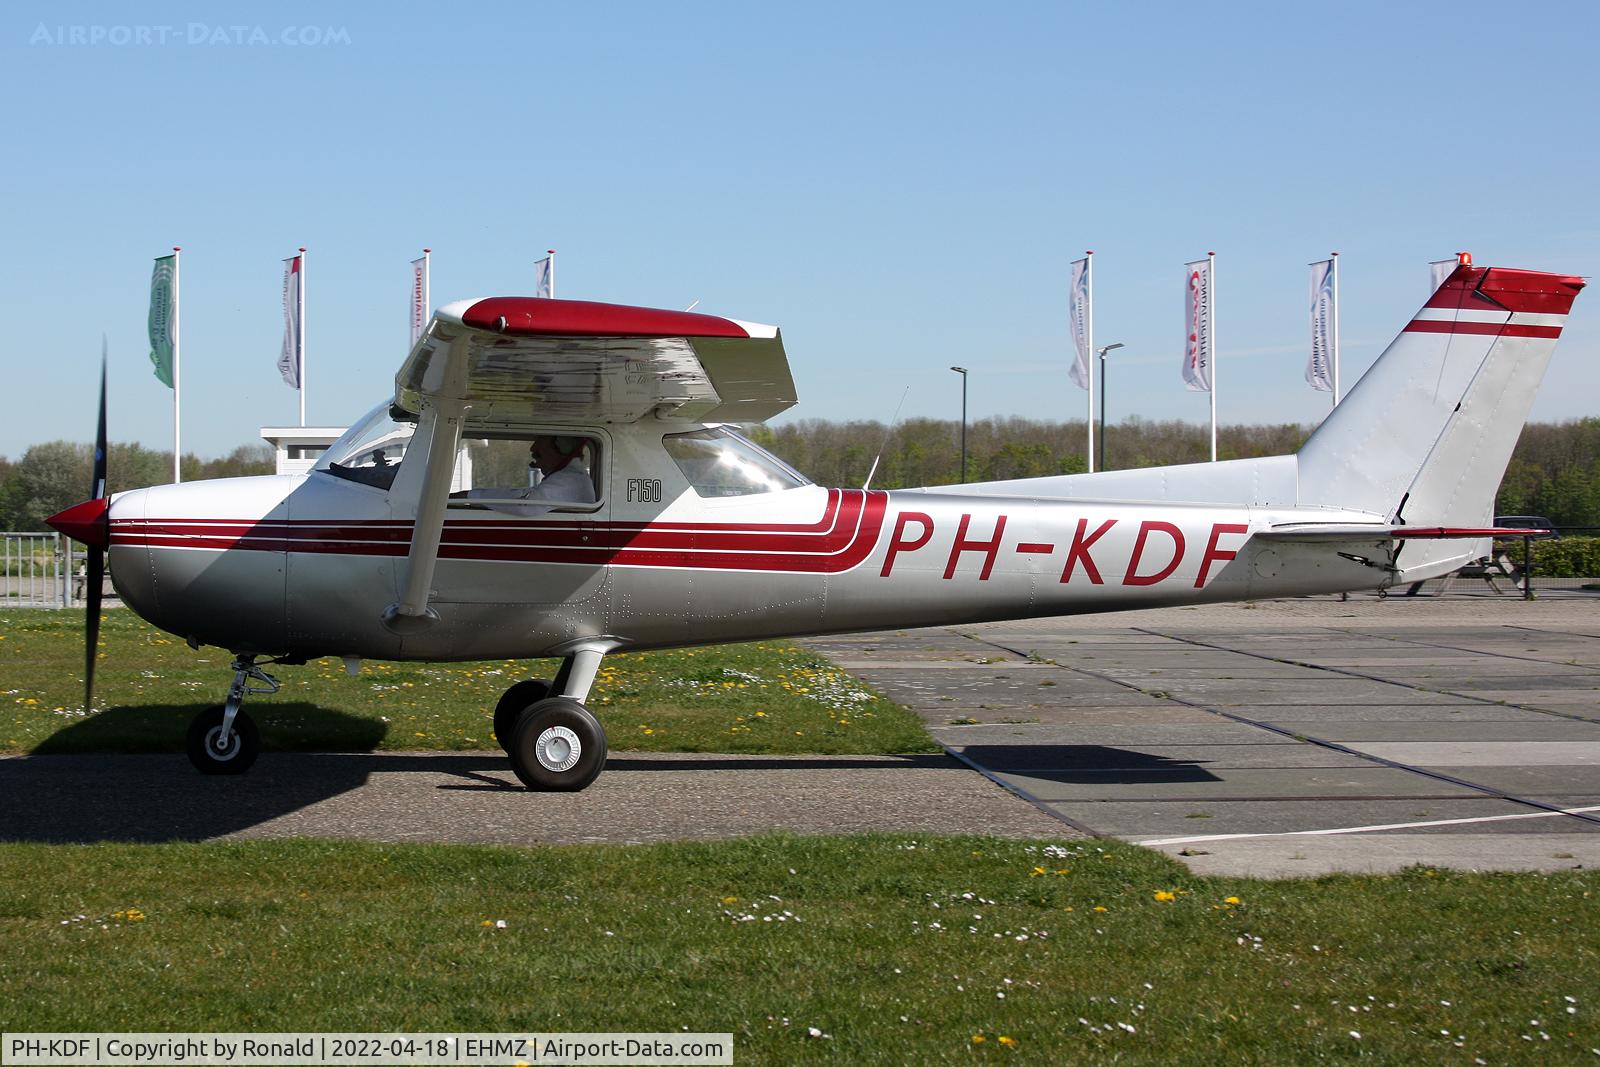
717	461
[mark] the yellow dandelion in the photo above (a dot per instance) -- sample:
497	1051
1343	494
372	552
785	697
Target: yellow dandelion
1165	896
730	900
1036	872
1008	1042
1099	907
1230	900
978	1039
648	731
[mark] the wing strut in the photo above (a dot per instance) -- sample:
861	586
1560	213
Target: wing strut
439	422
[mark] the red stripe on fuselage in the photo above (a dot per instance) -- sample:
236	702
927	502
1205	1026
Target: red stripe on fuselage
846	534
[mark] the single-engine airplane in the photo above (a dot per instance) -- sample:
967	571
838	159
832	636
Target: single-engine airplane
685	532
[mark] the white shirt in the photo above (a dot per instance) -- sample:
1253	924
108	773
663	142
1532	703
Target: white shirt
569	485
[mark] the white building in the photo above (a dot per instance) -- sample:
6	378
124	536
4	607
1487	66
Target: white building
298	448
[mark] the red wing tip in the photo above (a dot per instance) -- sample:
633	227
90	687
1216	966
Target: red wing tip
86	522
545	316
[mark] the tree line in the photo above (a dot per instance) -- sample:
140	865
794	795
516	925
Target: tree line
55	475
1554	472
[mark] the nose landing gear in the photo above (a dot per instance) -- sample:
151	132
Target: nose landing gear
224	740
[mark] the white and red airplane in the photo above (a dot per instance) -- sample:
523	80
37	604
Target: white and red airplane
683	532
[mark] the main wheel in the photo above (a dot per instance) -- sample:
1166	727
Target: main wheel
211	753
513	703
557	745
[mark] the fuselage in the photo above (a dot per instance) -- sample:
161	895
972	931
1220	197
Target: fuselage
307	565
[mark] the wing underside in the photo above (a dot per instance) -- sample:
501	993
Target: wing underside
519	360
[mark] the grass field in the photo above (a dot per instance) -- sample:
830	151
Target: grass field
878	949
770	697
897	949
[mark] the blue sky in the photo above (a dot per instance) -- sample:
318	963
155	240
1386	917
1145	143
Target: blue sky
898	187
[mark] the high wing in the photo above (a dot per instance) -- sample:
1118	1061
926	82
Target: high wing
514	360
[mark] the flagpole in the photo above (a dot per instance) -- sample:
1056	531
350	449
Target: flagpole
300	341
177	362
1211	288
1088	315
552	253
1333	265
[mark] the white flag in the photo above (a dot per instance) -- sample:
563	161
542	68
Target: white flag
1319	369
544	276
294	340
1197	353
419	298
1078	318
1441	269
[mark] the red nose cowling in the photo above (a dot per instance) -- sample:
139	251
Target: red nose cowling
86	522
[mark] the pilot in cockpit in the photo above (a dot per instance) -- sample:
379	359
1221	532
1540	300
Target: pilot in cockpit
564	478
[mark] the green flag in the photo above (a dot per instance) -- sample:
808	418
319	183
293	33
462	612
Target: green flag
162	319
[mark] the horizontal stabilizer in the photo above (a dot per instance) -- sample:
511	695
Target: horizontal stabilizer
1385	532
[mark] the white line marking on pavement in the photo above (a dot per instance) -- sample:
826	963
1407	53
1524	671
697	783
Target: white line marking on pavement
1370	829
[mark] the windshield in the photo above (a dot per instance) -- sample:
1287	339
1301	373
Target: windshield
370	451
720	462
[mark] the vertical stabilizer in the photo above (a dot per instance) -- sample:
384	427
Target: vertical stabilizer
1425	436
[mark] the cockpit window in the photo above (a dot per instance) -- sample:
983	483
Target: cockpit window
370	451
718	461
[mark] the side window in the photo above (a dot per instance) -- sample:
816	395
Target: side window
531	473
716	461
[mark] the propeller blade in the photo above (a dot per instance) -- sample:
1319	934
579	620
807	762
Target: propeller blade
96	557
91	604
97	483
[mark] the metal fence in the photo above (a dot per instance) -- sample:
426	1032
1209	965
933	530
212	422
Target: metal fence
39	570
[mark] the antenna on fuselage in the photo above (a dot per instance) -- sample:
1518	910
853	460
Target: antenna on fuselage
691	307
885	443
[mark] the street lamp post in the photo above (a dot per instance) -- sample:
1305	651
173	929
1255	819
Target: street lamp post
1102	462
963	372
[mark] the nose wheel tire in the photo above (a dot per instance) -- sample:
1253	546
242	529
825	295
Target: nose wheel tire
211	753
557	745
515	701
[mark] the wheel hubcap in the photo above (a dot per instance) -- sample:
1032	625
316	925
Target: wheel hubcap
558	749
220	747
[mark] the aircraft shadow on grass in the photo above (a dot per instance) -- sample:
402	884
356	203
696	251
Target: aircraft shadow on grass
114	790
127	780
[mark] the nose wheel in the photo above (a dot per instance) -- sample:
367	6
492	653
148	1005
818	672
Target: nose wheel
214	750
224	740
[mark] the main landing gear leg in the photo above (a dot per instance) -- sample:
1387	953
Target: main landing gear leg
224	740
555	743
